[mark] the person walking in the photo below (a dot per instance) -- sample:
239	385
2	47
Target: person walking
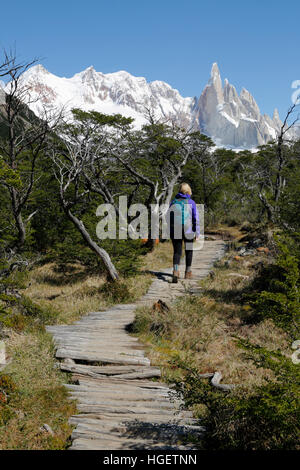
184	226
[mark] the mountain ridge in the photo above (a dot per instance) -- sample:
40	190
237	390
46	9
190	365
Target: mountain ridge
232	120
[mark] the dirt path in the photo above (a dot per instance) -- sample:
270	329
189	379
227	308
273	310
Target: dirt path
120	406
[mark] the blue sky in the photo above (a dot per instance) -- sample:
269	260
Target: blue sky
256	43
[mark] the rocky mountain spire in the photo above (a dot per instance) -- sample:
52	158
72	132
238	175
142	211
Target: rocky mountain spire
276	119
230	119
250	104
216	82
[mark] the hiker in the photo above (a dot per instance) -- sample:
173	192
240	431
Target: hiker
184	226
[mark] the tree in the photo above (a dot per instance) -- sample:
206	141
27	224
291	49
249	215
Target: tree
144	165
155	157
23	140
265	174
69	158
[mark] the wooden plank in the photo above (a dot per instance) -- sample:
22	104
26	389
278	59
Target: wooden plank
106	370
118	396
110	395
113	391
140	375
131	374
118	382
96	349
100	357
119	410
130	404
111	417
121	444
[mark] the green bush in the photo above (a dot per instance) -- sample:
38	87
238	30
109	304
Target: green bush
116	292
7	389
20	313
279	290
264	418
126	255
42	315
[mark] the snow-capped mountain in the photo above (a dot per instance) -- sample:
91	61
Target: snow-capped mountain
110	93
230	119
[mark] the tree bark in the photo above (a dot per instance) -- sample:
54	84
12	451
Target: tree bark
100	252
20	226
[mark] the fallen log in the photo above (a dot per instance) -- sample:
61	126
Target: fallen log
215	381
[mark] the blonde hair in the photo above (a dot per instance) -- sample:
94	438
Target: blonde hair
185	189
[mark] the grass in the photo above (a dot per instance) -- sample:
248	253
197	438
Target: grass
75	291
225	232
61	296
202	330
219	331
39	398
161	257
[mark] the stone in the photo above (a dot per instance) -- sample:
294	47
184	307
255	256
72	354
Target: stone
68	360
47	429
256	243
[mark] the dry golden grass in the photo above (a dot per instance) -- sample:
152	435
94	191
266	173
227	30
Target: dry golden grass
202	330
40	396
75	292
160	257
225	231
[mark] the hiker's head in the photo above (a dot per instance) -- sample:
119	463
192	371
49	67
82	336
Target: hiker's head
185	189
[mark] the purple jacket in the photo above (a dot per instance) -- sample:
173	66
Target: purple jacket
194	225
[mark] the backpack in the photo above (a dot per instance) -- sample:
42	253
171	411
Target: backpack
181	213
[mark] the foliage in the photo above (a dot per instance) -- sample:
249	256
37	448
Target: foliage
7	389
21	312
126	254
265	417
278	287
116	292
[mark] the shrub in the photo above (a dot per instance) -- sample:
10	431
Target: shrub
22	312
263	418
126	255
7	388
279	296
15	321
7	384
117	292
42	315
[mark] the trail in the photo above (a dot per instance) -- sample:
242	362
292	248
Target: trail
120	407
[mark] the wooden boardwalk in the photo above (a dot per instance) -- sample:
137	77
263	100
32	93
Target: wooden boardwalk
120	407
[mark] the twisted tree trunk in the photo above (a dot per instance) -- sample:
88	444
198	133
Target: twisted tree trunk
100	252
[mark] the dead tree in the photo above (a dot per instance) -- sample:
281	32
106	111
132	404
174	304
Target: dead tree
68	164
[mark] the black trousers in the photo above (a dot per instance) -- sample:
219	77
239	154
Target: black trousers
177	246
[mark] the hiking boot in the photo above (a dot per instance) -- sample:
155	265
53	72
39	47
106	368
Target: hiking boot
175	277
188	275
